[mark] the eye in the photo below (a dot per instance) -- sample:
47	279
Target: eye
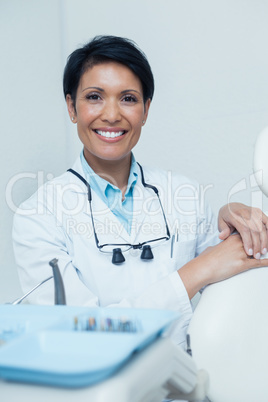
93	97
129	98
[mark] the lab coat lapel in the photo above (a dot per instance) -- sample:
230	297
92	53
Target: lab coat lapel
148	221
107	226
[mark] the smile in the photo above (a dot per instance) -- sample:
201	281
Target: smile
110	134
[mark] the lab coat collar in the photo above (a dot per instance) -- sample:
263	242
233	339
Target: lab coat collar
77	166
145	203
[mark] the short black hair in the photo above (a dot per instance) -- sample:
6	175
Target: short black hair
105	48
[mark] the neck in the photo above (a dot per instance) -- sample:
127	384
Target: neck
115	172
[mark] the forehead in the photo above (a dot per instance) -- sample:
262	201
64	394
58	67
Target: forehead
111	75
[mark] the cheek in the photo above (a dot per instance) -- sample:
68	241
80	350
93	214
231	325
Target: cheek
86	116
136	119
135	138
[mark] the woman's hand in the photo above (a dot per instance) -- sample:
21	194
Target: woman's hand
218	263
228	259
251	223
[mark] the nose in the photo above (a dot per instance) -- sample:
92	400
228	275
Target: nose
111	112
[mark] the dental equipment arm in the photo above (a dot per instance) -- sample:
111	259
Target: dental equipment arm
20	299
58	285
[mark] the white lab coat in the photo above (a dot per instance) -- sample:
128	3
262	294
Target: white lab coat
56	223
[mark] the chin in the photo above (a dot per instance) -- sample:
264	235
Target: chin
113	156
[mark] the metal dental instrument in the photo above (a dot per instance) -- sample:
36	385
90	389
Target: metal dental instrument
58	283
19	300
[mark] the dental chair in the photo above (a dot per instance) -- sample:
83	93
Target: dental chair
229	329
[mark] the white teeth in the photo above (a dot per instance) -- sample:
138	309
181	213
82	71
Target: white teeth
109	134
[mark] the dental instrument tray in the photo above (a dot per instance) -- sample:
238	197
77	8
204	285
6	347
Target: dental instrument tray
73	346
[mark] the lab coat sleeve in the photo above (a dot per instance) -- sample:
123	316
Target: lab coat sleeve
168	293
37	239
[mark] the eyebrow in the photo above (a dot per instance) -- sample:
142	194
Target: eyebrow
130	90
97	88
122	92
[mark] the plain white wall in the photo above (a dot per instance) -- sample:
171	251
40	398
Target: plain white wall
210	65
32	109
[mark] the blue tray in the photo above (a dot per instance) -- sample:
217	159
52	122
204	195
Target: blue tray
44	344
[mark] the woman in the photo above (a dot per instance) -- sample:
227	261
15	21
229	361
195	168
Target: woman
120	239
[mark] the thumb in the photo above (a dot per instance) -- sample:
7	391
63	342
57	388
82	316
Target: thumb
224	230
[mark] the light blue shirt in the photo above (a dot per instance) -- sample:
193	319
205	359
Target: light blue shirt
112	195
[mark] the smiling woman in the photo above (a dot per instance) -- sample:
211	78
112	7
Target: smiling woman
109	111
119	237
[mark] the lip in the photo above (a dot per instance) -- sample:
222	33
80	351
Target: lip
110	130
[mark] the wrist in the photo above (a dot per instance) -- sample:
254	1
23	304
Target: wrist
195	275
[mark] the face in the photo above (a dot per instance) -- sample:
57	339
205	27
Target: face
109	112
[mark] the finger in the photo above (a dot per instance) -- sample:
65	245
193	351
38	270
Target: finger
265	220
222	224
262	263
256	240
225	233
264	233
264	240
224	229
258	232
245	234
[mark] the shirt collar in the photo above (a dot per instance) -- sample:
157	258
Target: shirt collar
100	184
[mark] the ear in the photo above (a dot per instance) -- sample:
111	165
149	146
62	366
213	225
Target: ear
146	110
71	108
